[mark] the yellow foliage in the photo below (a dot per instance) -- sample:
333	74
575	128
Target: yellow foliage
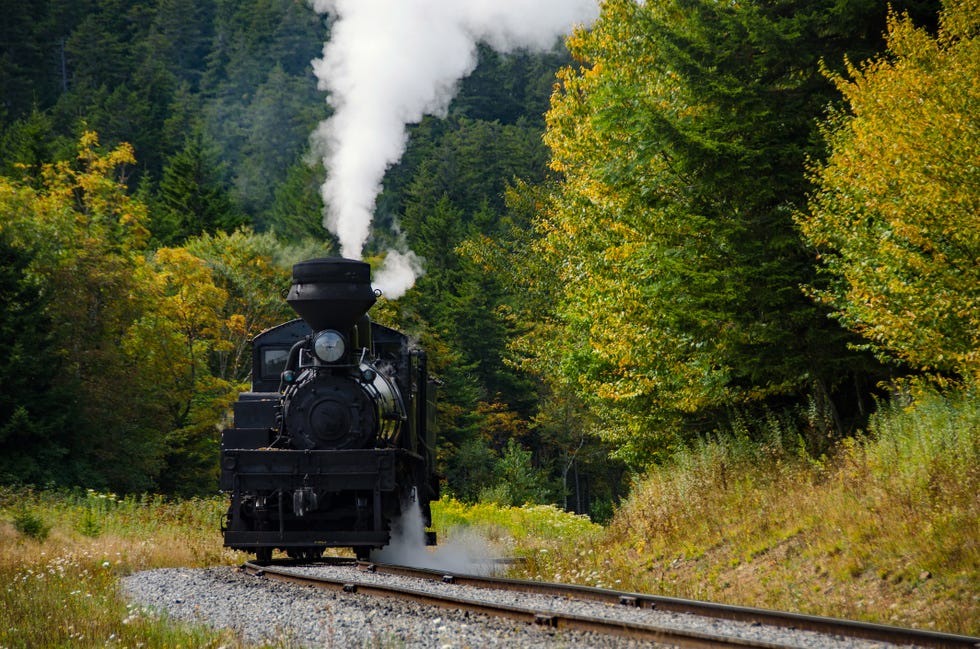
897	212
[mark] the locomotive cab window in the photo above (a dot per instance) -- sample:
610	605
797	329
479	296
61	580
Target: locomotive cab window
273	362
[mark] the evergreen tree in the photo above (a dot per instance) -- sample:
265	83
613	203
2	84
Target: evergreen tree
280	118
297	209
23	55
191	200
35	414
27	145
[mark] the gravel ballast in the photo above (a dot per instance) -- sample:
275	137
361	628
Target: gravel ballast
260	610
301	616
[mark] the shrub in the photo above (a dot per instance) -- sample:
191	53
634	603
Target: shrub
30	524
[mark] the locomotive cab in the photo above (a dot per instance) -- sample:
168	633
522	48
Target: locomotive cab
334	438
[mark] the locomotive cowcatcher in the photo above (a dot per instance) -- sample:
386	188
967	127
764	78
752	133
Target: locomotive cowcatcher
336	436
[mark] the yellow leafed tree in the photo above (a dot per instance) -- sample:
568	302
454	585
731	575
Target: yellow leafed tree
896	219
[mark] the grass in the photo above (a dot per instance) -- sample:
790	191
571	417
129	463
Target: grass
61	555
888	530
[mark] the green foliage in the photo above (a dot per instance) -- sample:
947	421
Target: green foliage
27	144
83	237
260	101
30	523
528	526
451	187
142	353
297	206
470	468
924	437
190	199
681	142
894	217
33	435
206	302
518	481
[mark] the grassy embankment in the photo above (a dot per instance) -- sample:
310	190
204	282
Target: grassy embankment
888	530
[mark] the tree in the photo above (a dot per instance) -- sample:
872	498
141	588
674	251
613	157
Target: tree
681	144
297	209
261	102
894	217
23	54
280	117
180	35
254	271
35	415
173	339
518	480
205	301
191	200
27	145
85	237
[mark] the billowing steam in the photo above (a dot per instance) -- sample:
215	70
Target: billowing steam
388	63
468	554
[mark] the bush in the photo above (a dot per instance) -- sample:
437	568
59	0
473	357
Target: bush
30	524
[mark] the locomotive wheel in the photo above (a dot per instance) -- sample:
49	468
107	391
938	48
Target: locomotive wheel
263	555
305	554
362	552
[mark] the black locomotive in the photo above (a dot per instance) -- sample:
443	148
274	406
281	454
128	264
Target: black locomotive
335	437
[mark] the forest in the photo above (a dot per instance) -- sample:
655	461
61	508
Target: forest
688	220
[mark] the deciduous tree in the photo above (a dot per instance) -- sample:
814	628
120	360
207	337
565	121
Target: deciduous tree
85	236
896	217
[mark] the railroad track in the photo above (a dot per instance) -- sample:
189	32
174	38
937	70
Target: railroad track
631	615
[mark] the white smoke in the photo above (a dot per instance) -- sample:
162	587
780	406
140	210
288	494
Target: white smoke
390	62
397	273
464	553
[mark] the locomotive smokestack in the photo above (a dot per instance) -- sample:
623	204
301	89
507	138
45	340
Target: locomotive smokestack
331	293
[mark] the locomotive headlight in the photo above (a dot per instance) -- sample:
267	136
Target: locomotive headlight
329	346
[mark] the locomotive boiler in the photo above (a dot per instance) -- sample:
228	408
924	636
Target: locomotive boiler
335	438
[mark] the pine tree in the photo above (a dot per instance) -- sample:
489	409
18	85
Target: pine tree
191	200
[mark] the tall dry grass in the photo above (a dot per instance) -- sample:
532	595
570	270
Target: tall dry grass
61	555
887	530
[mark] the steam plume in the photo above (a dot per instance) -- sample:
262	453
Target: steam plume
465	553
388	63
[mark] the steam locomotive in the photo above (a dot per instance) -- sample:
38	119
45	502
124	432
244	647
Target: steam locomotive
336	437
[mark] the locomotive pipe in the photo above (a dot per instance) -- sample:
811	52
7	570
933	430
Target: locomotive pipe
331	292
292	361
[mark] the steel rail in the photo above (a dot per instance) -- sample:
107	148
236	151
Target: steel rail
680	637
560	621
826	625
